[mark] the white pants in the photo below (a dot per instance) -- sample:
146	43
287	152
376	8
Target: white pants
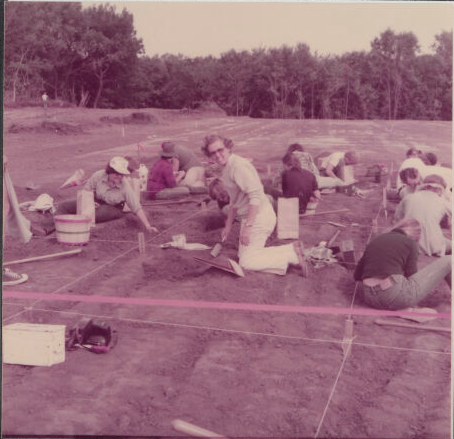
329	182
256	256
194	177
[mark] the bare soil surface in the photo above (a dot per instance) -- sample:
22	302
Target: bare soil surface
251	374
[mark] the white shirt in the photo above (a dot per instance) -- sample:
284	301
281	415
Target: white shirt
428	209
333	160
445	173
243	184
412	162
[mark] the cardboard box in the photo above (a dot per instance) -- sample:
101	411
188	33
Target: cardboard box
33	344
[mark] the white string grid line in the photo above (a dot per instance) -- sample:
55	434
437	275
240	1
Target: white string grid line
235	331
109	262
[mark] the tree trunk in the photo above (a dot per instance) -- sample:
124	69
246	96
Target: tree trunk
98	94
346	101
312	100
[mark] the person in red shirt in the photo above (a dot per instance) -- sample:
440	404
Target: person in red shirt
162	182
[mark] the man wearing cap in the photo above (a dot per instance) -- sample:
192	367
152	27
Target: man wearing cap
428	206
185	160
111	192
162	181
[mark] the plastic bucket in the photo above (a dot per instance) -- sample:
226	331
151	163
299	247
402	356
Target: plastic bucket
72	229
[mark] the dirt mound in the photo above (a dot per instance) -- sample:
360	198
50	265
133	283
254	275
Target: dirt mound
139	118
47	126
206	108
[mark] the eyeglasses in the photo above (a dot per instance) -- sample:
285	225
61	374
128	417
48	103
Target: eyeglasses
213	153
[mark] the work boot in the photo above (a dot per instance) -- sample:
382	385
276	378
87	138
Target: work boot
11	278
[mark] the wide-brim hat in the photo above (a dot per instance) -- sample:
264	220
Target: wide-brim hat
168	150
119	165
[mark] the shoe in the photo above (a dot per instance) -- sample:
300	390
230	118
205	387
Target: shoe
12	278
298	246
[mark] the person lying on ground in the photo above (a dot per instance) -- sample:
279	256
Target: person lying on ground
299	183
333	165
389	273
249	203
428	207
162	181
184	160
111	192
21	226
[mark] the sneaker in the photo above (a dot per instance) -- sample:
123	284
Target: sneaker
12	278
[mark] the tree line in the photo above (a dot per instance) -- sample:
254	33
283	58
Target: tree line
92	57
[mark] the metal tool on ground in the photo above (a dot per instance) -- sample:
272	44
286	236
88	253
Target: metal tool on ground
41	258
386	322
324	213
228	265
193	430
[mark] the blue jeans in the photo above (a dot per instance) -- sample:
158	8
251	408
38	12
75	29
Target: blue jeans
405	292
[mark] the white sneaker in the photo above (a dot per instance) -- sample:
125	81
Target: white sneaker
12	278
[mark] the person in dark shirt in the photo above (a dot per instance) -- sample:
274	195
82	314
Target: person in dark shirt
389	273
297	182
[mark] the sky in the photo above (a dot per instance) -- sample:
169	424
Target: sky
211	28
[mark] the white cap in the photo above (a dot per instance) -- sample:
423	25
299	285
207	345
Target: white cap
120	165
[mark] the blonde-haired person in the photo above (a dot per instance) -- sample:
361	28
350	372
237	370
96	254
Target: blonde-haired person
389	272
332	164
429	207
252	207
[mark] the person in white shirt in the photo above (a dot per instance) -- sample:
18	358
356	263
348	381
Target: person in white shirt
428	206
446	173
249	203
332	164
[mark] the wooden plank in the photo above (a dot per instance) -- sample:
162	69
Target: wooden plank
348	251
193	430
288	218
166	203
333	238
384	322
323	213
41	258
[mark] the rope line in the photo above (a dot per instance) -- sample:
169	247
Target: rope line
234	331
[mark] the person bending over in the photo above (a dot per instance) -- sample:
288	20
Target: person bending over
162	180
111	192
249	203
297	182
428	206
389	273
184	160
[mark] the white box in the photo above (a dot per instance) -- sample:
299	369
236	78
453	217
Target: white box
288	226
33	344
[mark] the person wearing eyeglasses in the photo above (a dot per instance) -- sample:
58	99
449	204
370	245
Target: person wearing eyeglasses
252	207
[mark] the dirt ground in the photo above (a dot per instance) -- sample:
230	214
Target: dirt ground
250	374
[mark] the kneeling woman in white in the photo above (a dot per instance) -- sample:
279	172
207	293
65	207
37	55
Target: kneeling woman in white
250	204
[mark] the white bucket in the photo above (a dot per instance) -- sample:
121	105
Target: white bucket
72	229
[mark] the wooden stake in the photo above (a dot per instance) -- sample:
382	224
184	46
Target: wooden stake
348	337
326	212
336	224
384	322
193	430
40	258
141	238
268	170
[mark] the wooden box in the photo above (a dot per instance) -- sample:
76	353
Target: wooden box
288	226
